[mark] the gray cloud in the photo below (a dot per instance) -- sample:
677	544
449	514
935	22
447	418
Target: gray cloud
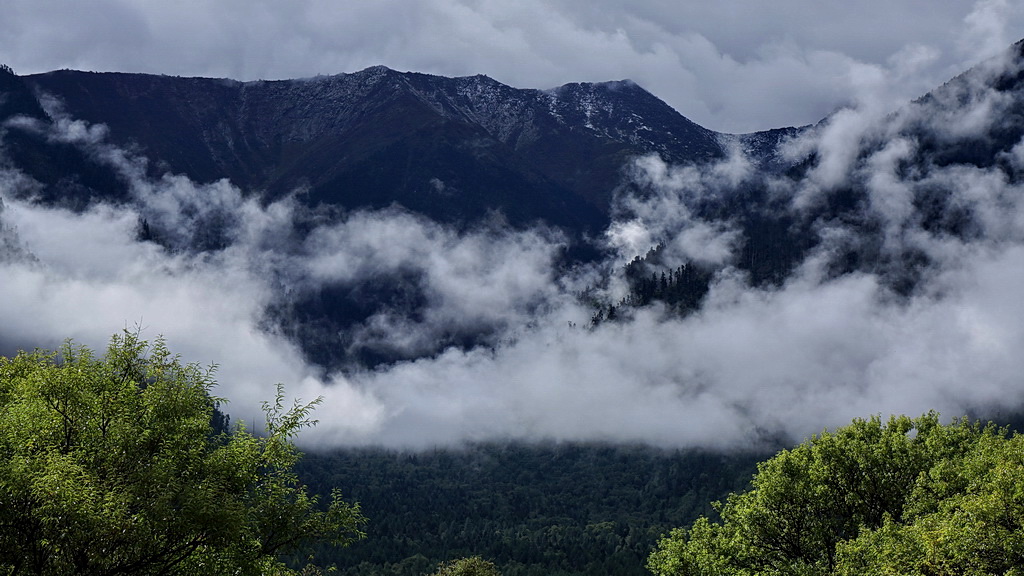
745	66
810	355
753	362
482	281
87	275
661	214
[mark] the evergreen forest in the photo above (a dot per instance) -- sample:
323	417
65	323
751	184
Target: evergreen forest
560	509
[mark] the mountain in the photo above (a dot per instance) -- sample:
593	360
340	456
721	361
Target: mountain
459	150
455	150
450	148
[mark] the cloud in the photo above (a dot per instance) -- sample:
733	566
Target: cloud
475	283
661	211
225	258
752	364
987	27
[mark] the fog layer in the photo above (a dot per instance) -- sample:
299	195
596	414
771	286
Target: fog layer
753	363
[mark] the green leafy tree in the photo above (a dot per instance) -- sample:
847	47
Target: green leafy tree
110	465
967	518
910	492
472	566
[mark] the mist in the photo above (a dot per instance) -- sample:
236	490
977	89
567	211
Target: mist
755	363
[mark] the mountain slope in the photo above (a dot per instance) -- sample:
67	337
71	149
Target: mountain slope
452	149
855	194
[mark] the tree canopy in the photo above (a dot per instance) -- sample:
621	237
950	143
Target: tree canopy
471	566
112	465
910	496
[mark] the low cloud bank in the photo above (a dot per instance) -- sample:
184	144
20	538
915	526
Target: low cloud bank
754	363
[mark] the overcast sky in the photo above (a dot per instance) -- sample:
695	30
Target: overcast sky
732	66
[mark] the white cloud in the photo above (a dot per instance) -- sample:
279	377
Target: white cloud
987	26
480	281
662	212
812	352
795	360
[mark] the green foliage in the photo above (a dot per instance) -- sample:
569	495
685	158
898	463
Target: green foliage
905	497
111	466
472	566
968	518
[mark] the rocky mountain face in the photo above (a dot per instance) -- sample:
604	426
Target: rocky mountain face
450	148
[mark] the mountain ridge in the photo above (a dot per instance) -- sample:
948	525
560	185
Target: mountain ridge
458	151
335	135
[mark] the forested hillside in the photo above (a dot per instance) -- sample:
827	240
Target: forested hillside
532	509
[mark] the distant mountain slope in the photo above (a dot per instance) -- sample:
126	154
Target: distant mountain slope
456	150
65	172
451	148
